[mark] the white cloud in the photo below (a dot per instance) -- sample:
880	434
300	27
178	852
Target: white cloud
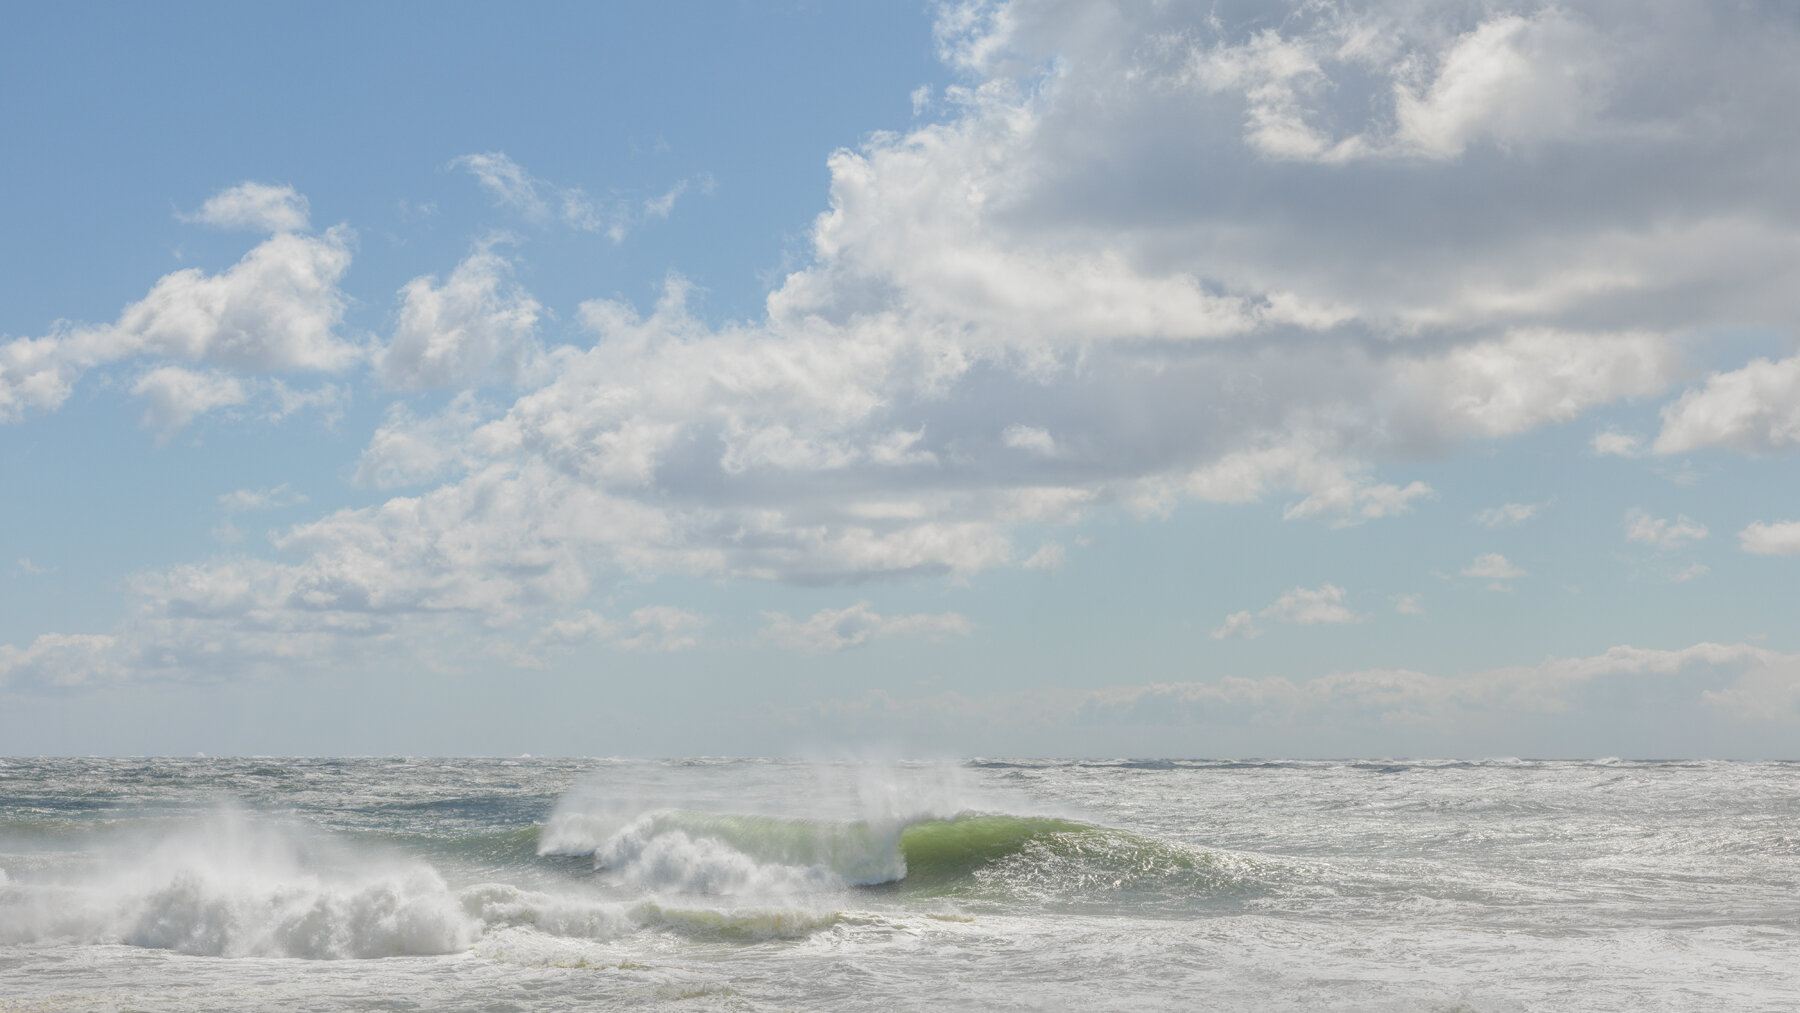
174	397
1030	439
1533	377
1049	556
1307	607
1492	566
244	500
1662	532
1506	515
274	310
408	450
506	180
1780	538
659	207
540	200
60	661
256	207
1238	624
831	630
477	328
1612	443
1755	409
1189	323
1300	606
579	628
1513	80
1411	604
30	569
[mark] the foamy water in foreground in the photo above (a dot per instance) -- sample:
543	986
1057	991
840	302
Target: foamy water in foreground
753	884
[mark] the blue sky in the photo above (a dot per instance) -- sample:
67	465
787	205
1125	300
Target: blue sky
1030	378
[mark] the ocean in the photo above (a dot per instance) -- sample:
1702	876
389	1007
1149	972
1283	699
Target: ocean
745	884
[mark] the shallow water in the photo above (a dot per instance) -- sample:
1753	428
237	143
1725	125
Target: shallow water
757	884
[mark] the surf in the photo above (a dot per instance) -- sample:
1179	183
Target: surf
968	854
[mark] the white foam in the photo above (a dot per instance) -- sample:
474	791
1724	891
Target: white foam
230	888
839	825
651	856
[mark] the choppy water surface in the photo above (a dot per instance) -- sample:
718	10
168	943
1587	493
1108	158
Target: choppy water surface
754	884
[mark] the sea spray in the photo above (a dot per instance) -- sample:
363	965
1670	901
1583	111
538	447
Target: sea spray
231	886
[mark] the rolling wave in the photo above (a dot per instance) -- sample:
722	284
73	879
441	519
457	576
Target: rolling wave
970	854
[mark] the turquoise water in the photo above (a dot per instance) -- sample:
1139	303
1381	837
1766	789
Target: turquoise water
226	884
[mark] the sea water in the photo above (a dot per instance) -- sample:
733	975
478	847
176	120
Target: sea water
425	884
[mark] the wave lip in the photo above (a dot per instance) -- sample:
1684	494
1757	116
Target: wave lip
700	852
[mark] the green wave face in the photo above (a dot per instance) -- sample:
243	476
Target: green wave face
944	852
1061	861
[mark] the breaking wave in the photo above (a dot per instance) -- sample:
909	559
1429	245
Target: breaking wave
235	886
228	888
968	854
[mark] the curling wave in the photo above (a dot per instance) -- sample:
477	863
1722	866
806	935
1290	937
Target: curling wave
970	853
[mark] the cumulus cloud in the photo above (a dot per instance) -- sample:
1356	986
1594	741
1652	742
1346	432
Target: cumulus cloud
1660	531
256	207
1612	443
1030	439
1514	80
61	661
173	397
580	627
1755	409
1780	538
1238	624
408	450
1494	567
275	310
831	630
1150	255
1300	606
1506	515
474	329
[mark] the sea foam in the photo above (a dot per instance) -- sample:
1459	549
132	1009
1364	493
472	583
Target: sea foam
229	887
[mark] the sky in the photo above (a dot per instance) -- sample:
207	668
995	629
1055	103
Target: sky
1219	379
